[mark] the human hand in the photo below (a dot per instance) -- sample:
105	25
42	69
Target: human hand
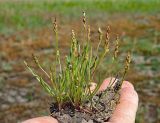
125	111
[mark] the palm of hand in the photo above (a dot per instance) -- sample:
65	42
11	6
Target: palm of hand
125	111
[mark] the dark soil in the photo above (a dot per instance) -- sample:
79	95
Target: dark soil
103	105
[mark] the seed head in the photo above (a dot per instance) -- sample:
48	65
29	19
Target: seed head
128	61
84	19
55	24
107	38
35	58
116	47
73	35
74	44
107	33
89	33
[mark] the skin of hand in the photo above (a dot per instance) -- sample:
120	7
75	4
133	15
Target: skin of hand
125	111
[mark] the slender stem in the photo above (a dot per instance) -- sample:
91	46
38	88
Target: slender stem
39	65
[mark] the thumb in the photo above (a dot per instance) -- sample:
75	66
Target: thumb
126	110
45	119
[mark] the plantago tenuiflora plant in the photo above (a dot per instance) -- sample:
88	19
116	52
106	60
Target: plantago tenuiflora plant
70	84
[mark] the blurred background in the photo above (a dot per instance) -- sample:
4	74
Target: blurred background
26	28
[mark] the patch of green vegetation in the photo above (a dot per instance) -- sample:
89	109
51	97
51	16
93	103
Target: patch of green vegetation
140	114
155	64
6	66
18	15
2	82
144	46
70	83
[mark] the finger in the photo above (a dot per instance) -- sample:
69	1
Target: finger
105	84
111	79
125	111
127	84
45	119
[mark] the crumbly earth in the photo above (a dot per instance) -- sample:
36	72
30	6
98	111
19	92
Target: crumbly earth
103	106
